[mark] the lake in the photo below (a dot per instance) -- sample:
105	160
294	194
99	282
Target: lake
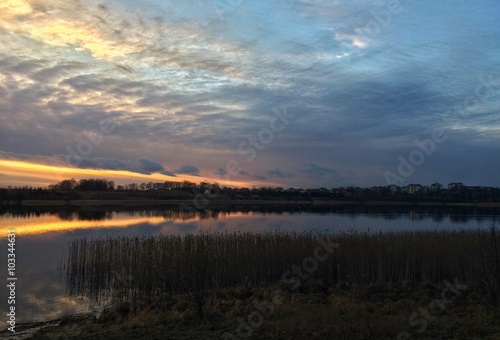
43	235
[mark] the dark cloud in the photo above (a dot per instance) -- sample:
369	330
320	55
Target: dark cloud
143	165
149	165
168	173
277	173
188	170
259	177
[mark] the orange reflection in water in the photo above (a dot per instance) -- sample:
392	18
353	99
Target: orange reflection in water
47	223
34	225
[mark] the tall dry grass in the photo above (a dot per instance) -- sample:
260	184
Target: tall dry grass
147	267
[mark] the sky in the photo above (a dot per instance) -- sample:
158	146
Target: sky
295	93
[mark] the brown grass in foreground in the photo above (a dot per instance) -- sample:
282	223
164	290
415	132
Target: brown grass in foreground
314	311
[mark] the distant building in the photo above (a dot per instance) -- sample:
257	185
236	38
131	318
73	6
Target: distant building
455	186
413	188
436	186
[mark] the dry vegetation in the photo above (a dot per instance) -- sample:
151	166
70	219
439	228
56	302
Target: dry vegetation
202	286
313	311
144	267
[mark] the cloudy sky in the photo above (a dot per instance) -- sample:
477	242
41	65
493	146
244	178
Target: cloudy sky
295	93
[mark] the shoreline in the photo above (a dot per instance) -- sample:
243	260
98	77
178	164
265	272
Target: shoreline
225	202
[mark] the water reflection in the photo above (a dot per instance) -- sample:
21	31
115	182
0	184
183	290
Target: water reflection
171	220
415	213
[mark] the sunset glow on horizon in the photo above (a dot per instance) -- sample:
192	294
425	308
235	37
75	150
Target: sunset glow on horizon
22	173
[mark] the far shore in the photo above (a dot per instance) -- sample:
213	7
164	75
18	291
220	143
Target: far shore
225	202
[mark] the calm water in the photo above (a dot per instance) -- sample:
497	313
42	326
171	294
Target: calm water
43	235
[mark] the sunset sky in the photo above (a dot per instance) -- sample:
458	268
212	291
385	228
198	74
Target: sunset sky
291	93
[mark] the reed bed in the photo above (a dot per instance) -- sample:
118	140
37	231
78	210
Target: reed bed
147	267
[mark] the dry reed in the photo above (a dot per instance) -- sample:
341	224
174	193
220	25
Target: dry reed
148	267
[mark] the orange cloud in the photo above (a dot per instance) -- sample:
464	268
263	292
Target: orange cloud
19	17
13	8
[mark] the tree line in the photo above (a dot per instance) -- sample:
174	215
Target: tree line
71	189
90	184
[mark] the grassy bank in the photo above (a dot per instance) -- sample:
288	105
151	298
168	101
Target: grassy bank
312	312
